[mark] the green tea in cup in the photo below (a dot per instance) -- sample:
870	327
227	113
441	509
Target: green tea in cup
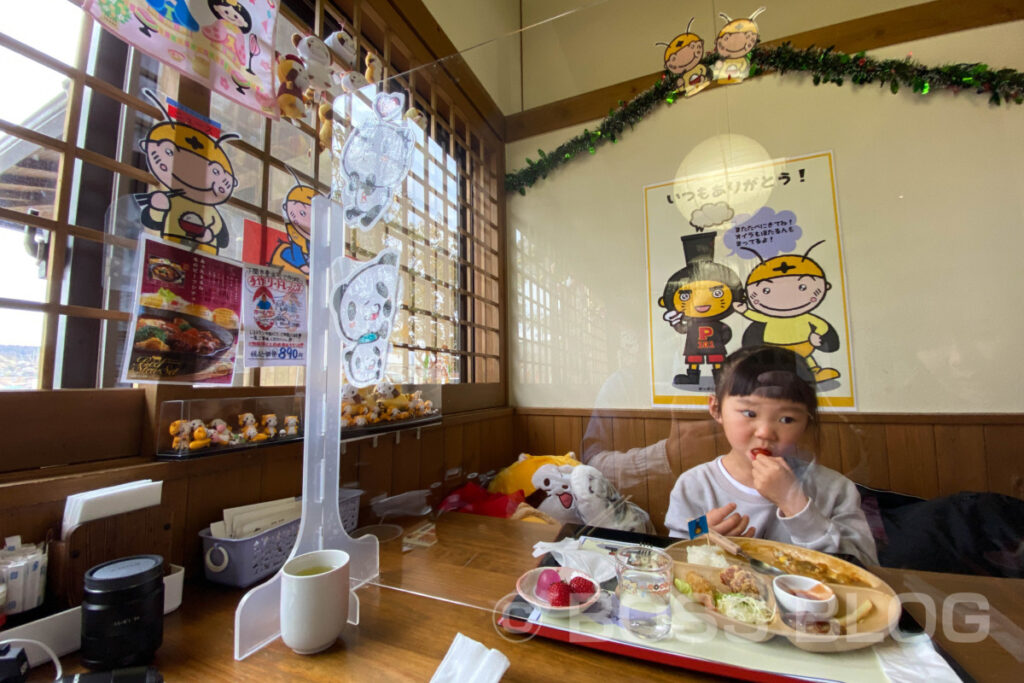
312	571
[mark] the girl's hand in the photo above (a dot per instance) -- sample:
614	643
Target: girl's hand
727	522
775	481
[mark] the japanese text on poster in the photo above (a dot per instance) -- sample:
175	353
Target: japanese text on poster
274	315
184	327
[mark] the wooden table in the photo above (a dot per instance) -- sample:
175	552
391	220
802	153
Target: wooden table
422	598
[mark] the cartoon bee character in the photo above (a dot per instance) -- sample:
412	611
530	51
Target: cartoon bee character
185	152
682	58
733	45
781	293
696	299
297	208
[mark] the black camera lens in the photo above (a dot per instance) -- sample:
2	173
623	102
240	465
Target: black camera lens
123	612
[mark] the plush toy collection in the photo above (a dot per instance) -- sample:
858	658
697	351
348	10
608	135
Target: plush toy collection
567	491
194	435
384	404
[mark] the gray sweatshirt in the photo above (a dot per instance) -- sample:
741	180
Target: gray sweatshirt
831	522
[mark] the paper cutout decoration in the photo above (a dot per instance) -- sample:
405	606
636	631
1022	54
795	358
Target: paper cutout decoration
733	45
682	58
293	255
186	154
375	159
225	45
364	303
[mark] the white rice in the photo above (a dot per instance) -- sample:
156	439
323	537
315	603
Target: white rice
707	555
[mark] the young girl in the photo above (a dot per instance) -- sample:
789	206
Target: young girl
764	399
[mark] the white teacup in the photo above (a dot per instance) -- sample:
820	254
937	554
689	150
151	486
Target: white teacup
314	600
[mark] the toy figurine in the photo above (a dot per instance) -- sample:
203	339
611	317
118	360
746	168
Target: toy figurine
291	94
291	425
180	431
248	429
200	438
268	424
220	432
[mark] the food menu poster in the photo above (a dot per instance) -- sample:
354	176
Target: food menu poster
273	317
185	323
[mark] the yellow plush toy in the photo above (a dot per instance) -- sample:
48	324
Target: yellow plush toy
544	481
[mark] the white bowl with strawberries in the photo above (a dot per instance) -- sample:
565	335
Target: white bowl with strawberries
558	591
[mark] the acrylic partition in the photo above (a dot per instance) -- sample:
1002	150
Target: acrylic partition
645	245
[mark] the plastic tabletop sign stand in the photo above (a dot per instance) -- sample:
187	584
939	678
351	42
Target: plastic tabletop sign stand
258	618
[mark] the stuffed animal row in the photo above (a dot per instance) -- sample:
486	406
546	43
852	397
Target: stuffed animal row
570	492
384	404
194	435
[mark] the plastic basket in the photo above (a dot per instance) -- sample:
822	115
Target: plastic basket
241	562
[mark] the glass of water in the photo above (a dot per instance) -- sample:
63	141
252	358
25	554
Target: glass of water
645	580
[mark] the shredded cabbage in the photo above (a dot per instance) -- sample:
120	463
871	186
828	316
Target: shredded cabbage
745	608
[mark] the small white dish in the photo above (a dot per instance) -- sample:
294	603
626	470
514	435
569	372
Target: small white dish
814	597
526	586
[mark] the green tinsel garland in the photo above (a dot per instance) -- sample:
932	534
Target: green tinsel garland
826	66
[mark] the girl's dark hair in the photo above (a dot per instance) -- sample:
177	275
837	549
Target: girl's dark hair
770	372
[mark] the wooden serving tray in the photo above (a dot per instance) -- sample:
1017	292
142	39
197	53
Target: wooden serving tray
860	585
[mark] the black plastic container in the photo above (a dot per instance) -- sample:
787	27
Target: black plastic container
123	612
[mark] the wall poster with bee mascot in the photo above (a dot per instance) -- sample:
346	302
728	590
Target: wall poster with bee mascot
741	256
224	45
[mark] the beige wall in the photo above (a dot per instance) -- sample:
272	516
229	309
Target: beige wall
931	209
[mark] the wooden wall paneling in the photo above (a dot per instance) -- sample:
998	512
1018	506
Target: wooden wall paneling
960	458
71	426
471	448
540	435
1004	449
827	449
453	474
521	433
911	452
627	432
174	496
658	489
282	472
375	468
431	457
568	435
405	463
348	467
209	492
694	442
656	429
864	453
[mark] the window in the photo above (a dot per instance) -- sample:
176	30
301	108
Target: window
65	285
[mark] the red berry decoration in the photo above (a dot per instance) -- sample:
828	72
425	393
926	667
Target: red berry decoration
581	586
558	594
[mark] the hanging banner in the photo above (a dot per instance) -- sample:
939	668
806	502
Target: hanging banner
184	327
225	45
273	317
742	257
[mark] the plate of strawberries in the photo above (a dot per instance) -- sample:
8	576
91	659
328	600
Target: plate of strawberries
558	591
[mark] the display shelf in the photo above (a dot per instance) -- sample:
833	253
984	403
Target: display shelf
198	427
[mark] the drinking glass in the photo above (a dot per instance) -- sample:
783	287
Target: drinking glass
645	580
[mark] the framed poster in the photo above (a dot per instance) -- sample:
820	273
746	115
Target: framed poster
184	326
745	256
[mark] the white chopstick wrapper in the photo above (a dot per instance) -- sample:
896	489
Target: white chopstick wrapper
468	661
567	553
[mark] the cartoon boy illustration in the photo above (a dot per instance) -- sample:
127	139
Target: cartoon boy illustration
293	255
186	155
781	293
682	58
733	45
696	300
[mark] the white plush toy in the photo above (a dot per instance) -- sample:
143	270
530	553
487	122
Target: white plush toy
600	504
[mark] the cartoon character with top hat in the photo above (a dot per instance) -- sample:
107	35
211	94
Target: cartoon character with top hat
185	152
696	299
781	293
